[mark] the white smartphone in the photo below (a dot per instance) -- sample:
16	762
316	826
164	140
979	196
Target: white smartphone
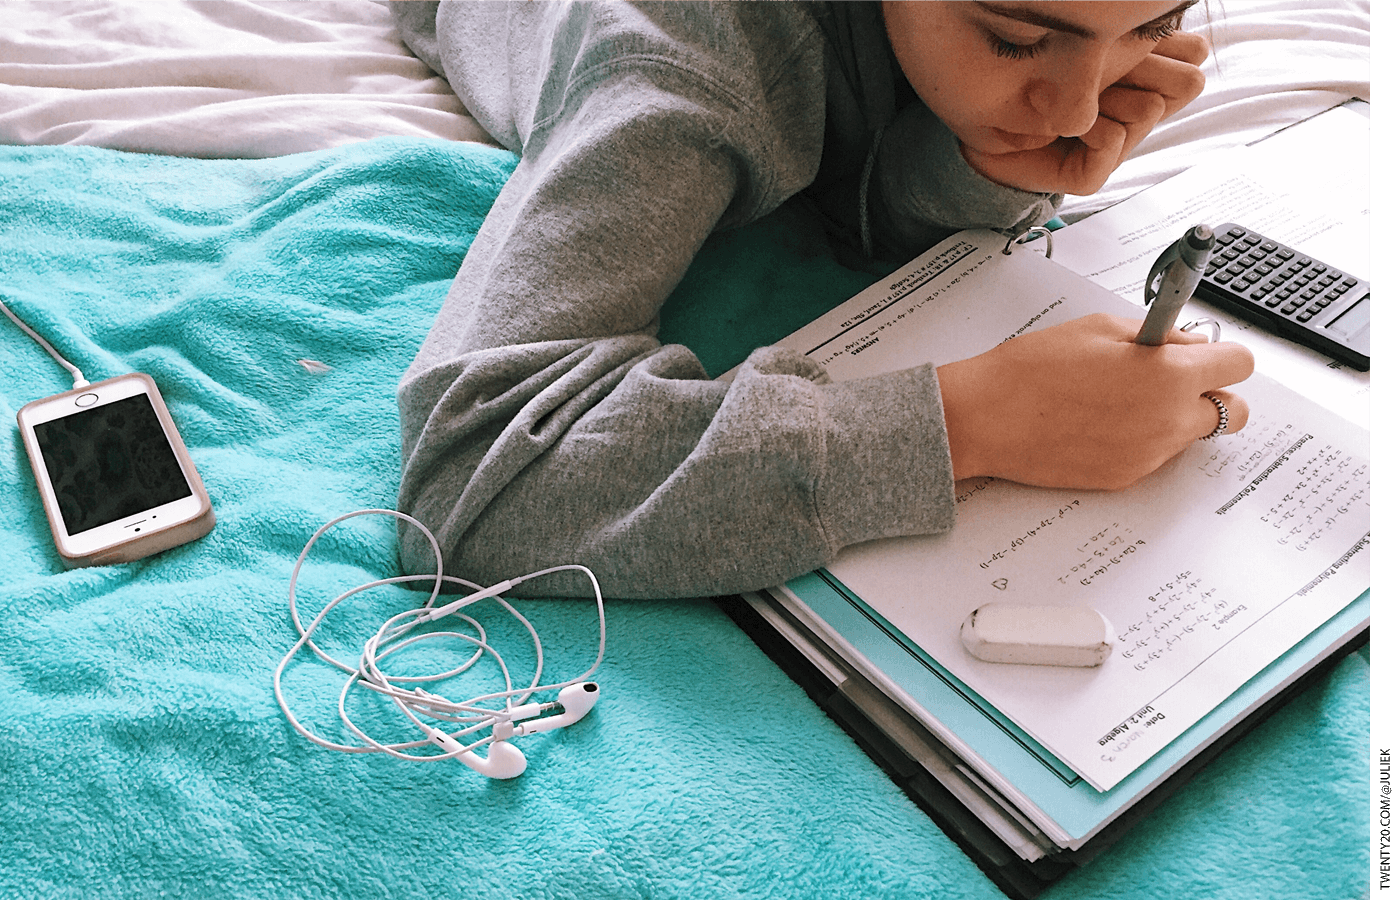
114	476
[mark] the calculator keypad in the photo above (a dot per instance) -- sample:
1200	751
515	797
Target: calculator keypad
1249	265
1289	293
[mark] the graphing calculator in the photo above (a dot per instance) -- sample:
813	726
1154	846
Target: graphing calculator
1290	293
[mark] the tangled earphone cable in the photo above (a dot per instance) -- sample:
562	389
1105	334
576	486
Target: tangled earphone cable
462	719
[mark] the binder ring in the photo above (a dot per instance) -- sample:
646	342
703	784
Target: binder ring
1030	234
1197	323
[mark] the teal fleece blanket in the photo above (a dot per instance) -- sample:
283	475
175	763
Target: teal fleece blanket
275	302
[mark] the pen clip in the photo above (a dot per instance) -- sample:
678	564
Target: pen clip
1158	270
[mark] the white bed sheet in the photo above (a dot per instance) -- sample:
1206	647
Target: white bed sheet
218	78
1273	63
233	78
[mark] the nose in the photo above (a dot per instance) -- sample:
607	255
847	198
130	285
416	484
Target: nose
1068	99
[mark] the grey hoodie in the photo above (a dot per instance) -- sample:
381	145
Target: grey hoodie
542	420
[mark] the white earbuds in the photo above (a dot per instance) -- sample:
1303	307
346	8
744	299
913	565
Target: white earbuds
576	699
503	759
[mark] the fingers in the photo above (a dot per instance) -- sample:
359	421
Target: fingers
1211	366
1172	71
1094	156
1214	365
1126	116
1177	336
1184	46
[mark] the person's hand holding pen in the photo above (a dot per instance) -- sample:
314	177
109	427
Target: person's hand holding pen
1083	405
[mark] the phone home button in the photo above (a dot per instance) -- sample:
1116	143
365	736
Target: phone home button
86	399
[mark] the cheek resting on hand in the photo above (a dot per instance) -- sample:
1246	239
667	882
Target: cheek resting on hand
1160	85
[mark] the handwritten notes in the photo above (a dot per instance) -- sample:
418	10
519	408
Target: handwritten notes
1031	532
1176	611
1109	546
1330	484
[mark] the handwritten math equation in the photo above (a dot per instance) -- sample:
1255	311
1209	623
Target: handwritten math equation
1327	485
1242	454
1106	548
1180	611
1016	543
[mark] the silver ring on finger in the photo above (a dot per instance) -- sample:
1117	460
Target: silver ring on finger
1224	416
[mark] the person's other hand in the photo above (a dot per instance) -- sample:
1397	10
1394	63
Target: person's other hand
1164	82
1080	405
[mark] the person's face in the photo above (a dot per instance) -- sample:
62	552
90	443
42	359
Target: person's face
1012	76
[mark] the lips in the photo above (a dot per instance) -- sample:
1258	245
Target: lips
1018	142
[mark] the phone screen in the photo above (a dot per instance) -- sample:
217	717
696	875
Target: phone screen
109	462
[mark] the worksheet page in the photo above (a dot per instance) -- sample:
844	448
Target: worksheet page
1208	570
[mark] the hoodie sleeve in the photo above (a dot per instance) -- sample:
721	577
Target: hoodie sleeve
544	423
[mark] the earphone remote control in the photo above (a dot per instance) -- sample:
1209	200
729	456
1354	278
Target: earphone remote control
1290	293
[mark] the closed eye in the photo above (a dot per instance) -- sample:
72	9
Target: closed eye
1011	50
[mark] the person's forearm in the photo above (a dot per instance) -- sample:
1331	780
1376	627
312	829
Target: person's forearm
624	457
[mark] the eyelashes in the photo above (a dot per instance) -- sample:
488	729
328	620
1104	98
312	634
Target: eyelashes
1007	50
1162	28
1153	31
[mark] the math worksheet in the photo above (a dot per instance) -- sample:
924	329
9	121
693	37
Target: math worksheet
1208	570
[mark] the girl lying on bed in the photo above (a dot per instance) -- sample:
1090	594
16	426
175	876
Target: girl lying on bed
544	423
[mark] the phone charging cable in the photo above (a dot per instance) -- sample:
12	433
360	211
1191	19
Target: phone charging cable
78	380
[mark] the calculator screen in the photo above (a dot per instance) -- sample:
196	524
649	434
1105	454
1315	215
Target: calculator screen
1354	319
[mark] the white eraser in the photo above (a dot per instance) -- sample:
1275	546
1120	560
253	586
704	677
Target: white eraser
1038	635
